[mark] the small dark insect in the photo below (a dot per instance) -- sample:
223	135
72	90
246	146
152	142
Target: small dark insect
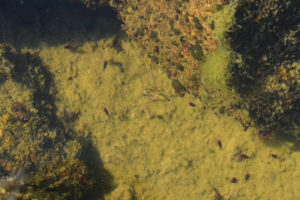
273	155
104	65
247	176
219	144
234	180
192	104
106	111
243	156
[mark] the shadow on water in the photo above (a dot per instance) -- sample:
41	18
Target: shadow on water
28	70
41	24
104	180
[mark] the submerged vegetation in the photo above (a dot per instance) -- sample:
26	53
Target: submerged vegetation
266	68
40	158
174	33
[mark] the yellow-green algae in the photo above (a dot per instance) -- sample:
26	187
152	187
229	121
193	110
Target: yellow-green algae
215	68
165	149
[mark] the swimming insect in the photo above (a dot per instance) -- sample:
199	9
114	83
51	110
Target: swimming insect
155	95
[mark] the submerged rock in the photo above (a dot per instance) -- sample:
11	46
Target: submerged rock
266	39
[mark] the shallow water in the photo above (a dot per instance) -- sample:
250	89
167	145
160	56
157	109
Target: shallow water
173	148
